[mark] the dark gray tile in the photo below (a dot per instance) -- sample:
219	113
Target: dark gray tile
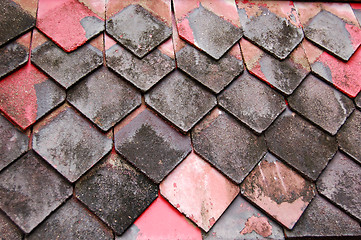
358	100
8	230
12	56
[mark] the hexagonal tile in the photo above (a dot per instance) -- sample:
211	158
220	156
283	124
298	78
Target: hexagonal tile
278	190
116	192
30	190
228	145
69	143
198	191
252	102
180	100
8	230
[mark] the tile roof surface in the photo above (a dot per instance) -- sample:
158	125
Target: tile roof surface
172	119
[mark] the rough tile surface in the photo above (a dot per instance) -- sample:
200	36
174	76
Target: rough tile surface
358	101
252	102
278	190
8	230
321	104
30	191
116	192
300	144
151	145
199	191
340	183
180	100
228	145
69	143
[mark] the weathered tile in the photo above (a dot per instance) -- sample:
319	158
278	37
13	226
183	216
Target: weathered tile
273	26
243	221
332	26
28	94
228	145
8	230
69	143
199	191
180	100
278	190
71	221
356	8
252	102
151	145
193	18
161	221
349	136
321	104
322	219
116	192
358	101
104	98
69	23
285	75
9	28
340	183
30	191
300	144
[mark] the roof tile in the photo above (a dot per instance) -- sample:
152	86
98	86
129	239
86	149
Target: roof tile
8	230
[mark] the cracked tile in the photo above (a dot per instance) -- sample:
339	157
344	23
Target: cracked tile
8	230
116	192
30	191
199	191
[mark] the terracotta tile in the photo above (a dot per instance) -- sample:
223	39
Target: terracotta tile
278	190
252	102
8	230
198	191
228	145
116	192
69	143
30	191
161	221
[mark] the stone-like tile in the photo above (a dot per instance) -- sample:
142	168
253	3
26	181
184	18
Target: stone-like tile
285	75
228	145
104	98
193	18
322	219
69	142
340	183
358	101
278	190
161	221
71	221
8	230
199	191
349	136
252	102
243	221
69	23
273	26
331	26
28	94
321	104
9	28
300	144
180	100
152	145
116	192
30	191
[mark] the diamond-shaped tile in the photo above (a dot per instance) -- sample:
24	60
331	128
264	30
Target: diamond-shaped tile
349	136
300	144
8	230
180	100
199	191
252	102
71	221
104	98
69	23
228	145
69	143
340	183
321	104
151	145
116	192
278	190
285	75
30	191
28	94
